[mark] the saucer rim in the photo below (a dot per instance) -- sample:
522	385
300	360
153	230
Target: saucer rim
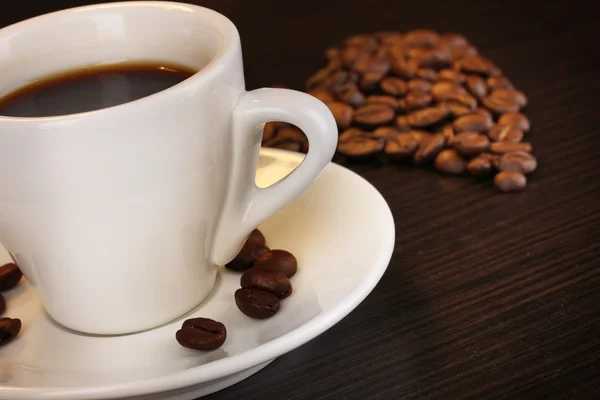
257	355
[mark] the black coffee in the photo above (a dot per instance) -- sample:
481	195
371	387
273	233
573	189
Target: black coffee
91	89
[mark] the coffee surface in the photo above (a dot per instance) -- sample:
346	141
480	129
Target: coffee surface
92	88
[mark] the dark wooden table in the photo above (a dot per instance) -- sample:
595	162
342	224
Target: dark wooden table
487	295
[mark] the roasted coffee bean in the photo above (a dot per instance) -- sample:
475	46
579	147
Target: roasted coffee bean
510	95
201	334
350	133
402	147
501	133
419	85
319	77
10	275
291	133
427	116
515	120
402	123
343	114
421	38
269	132
451	75
360	148
370	64
448	132
472	122
450	162
371	80
481	165
9	329
457	110
349	94
322	94
278	260
518	161
463	99
506	147
256	238
415	101
394	86
2	304
500	105
510	181
428	74
472	146
445	89
365	41
250	251
420	136
285	144
337	78
352	54
405	69
478	65
462	51
373	115
499	82
256	303
267	280
429	149
386	133
388	100
454	39
331	53
462	137
476	86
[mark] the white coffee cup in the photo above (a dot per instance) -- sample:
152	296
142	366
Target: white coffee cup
119	216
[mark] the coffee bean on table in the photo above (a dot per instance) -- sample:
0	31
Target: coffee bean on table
256	303
9	329
267	280
481	165
373	115
10	275
436	83
360	147
201	334
518	161
402	147
2	304
505	147
510	181
505	133
450	162
515	120
278	260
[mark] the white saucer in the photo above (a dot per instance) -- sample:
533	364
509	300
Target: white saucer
341	231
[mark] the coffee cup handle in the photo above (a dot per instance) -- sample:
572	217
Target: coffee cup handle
246	205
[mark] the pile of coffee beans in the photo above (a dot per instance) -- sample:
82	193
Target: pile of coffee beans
420	97
264	283
10	275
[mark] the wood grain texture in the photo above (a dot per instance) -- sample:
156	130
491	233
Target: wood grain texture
487	296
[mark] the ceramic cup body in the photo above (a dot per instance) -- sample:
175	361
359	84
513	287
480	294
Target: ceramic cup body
119	217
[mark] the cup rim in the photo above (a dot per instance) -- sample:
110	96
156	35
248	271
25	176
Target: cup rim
220	23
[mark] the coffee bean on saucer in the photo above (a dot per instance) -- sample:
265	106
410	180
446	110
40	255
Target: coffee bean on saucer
251	250
10	275
518	161
510	181
256	303
450	162
267	280
9	329
278	260
2	304
201	334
